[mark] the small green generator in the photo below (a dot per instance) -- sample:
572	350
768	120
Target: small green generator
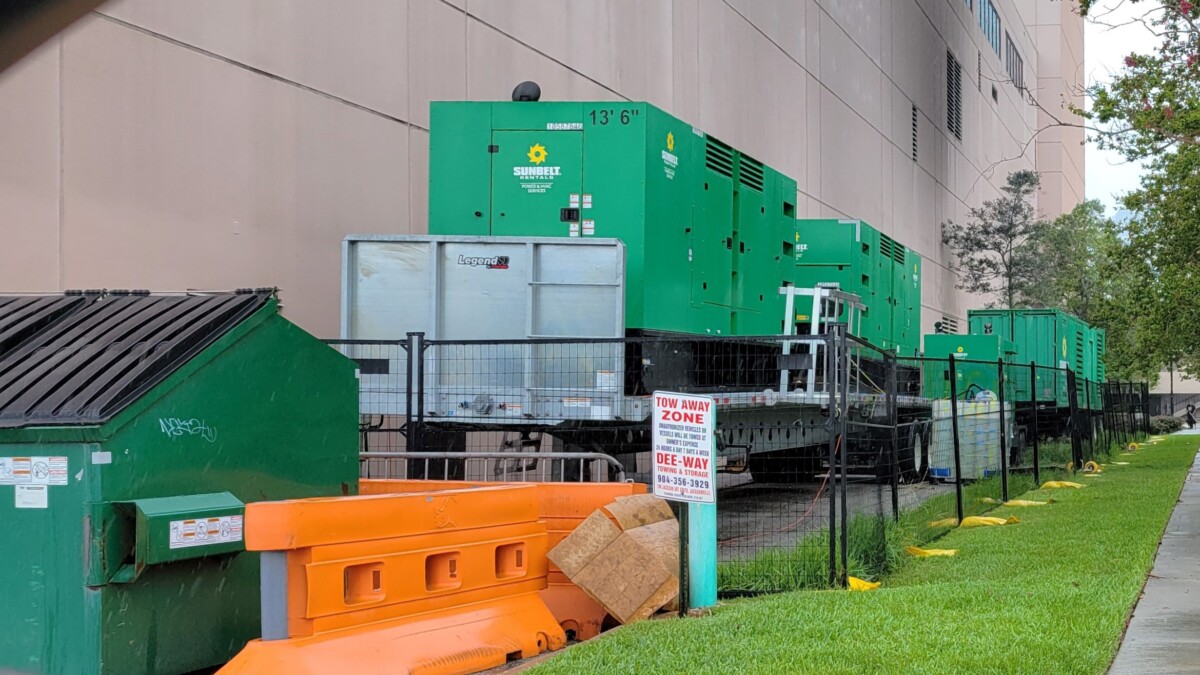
976	368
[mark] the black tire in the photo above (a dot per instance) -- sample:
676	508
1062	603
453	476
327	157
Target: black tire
926	439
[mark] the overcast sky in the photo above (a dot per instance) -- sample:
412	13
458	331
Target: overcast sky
1107	175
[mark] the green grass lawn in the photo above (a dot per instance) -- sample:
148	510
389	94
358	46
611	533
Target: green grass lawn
1048	595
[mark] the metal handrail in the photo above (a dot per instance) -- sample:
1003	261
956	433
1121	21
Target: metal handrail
522	456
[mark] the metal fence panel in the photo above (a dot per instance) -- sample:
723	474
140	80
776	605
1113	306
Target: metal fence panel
824	441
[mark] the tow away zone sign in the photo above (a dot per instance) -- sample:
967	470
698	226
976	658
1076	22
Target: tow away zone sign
684	449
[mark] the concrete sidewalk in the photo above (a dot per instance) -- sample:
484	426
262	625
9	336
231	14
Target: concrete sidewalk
1164	634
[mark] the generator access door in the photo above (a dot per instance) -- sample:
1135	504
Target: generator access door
537	181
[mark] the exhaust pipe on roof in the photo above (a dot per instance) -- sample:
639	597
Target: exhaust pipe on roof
527	91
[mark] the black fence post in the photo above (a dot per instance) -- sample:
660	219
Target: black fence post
1033	397
1125	414
893	422
1073	420
1114	430
1109	419
420	391
958	484
845	452
1132	414
1113	419
411	434
1122	416
1087	395
1122	419
831	384
1003	431
1110	431
1146	408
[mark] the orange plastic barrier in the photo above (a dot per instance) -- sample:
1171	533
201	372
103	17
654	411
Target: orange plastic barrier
442	581
563	506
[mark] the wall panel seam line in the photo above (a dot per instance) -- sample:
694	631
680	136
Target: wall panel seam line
853	110
544	55
257	71
61	193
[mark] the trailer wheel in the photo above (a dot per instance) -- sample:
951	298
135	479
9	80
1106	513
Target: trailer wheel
926	438
913	453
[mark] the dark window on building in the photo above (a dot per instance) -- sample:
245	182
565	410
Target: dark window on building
1013	62
953	96
989	22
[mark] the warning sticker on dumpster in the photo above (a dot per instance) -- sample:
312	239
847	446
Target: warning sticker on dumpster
684	467
39	470
33	470
58	470
206	531
19	470
32	496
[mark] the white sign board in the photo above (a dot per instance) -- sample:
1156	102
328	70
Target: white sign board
205	531
684	448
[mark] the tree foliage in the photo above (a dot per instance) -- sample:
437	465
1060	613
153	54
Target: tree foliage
1150	105
1150	111
997	248
1082	263
1121	308
1078	273
1165	234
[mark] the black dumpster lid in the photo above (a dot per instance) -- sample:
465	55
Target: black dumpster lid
79	359
23	316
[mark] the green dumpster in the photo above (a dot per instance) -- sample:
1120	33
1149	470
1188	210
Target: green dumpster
133	429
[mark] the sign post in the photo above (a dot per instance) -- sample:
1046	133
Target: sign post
685	470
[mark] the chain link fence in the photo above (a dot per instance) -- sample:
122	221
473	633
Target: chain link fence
831	453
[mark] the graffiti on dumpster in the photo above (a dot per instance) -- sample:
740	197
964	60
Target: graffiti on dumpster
174	427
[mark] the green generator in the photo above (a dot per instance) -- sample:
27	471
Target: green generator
1052	339
862	260
710	232
976	370
133	428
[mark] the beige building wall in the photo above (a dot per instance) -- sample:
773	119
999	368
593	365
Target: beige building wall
1185	385
1058	36
174	144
